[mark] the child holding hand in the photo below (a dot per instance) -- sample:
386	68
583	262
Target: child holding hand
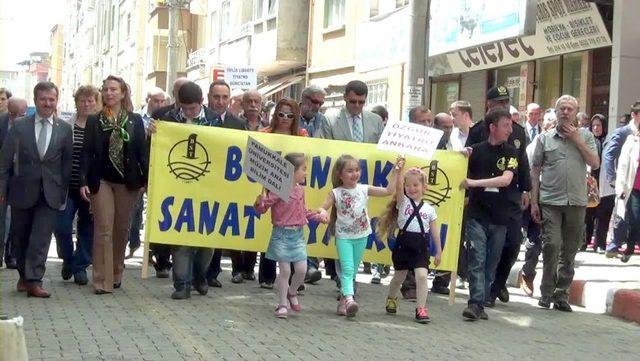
287	244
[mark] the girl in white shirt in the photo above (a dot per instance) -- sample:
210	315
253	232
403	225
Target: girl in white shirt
416	221
349	221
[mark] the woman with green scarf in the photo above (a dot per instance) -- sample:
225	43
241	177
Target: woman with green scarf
114	169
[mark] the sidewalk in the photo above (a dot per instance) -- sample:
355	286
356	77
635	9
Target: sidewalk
601	285
235	322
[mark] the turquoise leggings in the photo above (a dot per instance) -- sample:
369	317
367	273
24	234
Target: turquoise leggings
350	253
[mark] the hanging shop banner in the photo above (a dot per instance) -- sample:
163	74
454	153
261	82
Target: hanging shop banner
199	194
562	27
459	24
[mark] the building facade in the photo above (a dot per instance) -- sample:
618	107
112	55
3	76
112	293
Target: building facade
268	35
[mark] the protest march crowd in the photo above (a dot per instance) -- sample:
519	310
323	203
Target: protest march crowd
553	181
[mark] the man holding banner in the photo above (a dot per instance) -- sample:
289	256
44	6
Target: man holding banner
190	264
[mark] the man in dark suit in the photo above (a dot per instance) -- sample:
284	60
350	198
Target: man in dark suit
218	98
35	169
160	254
16	108
218	101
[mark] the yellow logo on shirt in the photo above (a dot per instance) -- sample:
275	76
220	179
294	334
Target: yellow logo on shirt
507	163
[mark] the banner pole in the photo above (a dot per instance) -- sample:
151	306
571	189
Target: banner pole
452	287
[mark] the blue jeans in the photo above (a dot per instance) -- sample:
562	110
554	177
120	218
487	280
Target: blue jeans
619	233
80	259
190	264
485	243
136	222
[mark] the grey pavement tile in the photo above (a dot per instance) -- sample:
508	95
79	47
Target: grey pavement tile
236	322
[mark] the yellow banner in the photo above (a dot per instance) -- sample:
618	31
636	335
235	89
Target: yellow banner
199	195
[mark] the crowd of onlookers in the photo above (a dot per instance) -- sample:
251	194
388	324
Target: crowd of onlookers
553	181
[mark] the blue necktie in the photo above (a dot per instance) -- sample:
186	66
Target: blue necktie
534	132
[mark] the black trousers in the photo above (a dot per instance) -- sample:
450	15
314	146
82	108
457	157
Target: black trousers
603	217
442	279
214	267
31	230
162	256
510	252
242	262
330	267
267	270
7	249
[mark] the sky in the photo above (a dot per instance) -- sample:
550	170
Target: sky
25	26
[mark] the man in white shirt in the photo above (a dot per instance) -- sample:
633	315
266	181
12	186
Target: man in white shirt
462	120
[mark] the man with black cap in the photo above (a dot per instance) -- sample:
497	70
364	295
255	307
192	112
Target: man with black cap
498	97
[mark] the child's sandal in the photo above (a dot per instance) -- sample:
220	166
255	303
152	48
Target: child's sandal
294	298
281	311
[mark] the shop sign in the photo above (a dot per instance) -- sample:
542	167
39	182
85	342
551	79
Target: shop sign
243	78
563	26
513	82
459	24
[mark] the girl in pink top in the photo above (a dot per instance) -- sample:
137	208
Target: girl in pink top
287	244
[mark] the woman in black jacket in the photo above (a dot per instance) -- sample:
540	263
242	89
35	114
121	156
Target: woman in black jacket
114	169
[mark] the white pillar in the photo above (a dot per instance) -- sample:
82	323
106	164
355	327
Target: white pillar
625	59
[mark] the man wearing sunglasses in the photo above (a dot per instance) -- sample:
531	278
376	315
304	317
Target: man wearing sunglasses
312	100
353	123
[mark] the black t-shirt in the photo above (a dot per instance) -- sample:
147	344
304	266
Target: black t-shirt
491	205
517	139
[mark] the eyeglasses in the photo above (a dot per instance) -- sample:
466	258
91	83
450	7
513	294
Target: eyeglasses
359	102
286	115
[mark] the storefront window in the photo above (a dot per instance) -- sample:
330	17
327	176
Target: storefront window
548	81
571	74
443	94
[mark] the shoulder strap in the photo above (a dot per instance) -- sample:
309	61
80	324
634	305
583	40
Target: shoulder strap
414	214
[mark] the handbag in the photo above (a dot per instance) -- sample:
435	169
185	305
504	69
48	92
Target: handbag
593	193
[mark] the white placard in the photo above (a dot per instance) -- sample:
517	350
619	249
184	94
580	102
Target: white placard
244	78
268	168
410	139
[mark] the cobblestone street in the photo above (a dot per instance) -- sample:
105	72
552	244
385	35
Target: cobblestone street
141	322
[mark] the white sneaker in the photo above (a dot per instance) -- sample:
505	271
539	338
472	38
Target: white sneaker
375	278
460	284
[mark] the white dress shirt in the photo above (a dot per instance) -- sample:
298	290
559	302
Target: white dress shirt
37	127
457	139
